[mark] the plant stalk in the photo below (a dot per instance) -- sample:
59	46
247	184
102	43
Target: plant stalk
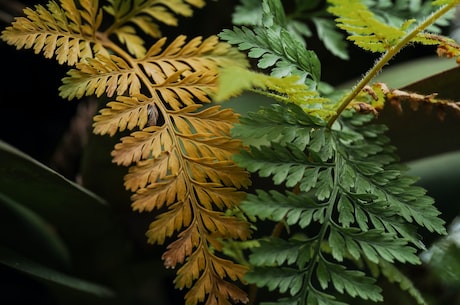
387	56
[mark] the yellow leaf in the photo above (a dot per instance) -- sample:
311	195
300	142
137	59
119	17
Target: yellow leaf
181	248
178	216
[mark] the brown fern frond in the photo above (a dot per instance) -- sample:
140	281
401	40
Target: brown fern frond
397	98
182	167
65	31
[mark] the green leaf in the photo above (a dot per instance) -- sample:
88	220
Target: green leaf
33	237
345	207
49	275
83	221
277	251
248	12
276	48
333	40
442	258
377	245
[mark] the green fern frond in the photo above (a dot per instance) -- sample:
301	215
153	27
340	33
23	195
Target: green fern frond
276	47
66	32
346	179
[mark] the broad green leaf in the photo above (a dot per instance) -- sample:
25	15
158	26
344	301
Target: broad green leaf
442	258
83	221
33	237
49	275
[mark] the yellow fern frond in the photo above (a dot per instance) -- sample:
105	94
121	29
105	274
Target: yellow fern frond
365	29
370	33
65	32
183	166
234	80
145	15
180	156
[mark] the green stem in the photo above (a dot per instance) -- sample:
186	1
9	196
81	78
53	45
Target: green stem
387	56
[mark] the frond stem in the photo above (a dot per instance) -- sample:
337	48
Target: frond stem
386	57
328	217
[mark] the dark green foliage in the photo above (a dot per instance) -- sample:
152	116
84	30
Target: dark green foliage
274	45
347	180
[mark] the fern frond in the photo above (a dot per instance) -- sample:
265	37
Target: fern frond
180	156
66	31
350	185
366	30
234	80
371	33
275	48
146	16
